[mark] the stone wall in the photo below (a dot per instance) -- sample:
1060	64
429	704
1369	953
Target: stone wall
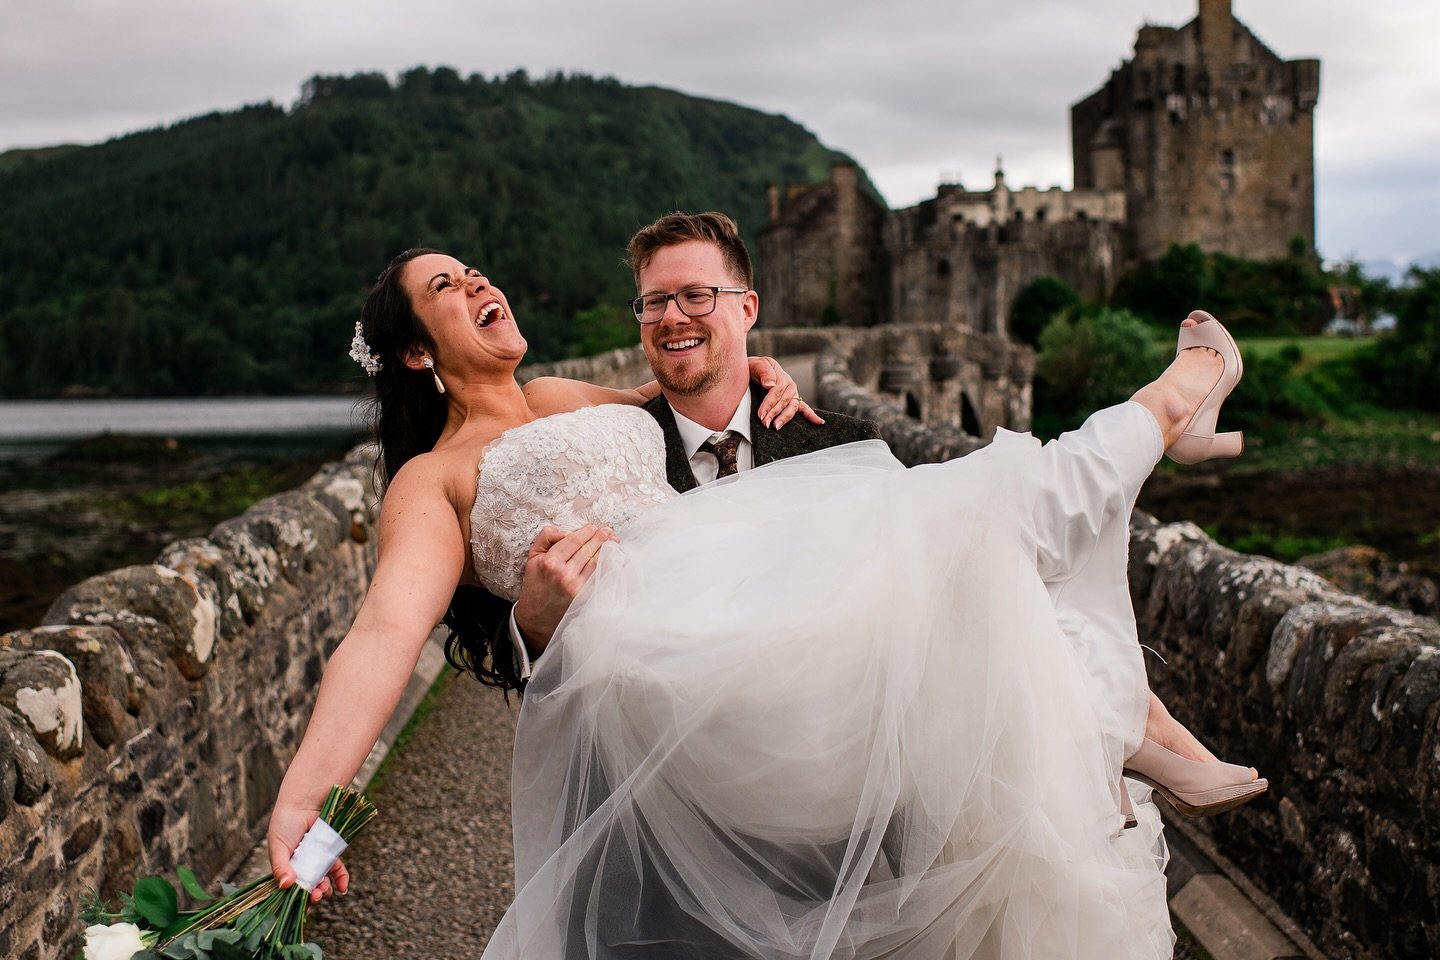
833	255
962	258
1337	702
149	720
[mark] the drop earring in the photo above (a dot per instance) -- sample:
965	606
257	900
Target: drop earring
429	364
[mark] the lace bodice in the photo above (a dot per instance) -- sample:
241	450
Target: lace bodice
602	464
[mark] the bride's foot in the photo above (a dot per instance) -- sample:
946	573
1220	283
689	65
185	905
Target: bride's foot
1173	735
1185	400
1195	789
1175	763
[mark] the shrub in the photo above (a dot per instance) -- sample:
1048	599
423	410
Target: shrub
1041	301
1095	361
1403	369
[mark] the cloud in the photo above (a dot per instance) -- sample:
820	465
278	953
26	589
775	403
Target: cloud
913	89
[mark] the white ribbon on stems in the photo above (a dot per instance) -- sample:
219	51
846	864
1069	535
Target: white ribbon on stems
319	849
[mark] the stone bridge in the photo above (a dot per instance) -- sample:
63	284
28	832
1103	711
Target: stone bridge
148	720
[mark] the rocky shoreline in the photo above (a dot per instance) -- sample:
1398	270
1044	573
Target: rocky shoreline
117	500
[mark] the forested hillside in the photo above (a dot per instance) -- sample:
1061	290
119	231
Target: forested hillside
229	253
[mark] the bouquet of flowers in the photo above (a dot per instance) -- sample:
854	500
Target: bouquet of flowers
257	921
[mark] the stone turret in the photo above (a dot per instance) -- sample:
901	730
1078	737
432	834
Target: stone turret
1217	35
1210	134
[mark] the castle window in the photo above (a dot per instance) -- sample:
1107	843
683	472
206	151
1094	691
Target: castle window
942	268
1227	170
1081	215
1040	215
1294	181
1175	105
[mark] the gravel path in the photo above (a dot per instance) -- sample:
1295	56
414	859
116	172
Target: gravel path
432	874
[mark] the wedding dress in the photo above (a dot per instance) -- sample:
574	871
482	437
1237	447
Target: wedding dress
830	707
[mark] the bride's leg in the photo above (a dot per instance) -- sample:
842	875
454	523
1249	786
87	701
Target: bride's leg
1082	497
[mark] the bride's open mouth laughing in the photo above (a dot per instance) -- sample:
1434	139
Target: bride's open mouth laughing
489	313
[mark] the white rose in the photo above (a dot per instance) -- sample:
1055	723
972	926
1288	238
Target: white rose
119	941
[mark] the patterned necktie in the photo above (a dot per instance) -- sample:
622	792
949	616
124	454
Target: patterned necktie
725	451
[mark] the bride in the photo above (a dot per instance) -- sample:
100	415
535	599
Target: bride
829	707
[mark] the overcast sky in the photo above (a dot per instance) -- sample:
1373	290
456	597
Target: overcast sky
916	90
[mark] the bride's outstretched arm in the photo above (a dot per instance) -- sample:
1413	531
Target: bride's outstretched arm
421	557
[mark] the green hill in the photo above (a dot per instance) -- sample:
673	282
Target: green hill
229	253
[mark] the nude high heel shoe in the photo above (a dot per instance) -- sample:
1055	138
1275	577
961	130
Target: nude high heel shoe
1199	441
1195	789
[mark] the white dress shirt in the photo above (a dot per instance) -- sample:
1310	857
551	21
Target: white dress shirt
705	467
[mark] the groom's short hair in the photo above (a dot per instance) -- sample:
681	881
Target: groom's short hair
673	228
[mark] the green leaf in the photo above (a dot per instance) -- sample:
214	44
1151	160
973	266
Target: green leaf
155	901
228	951
192	885
182	949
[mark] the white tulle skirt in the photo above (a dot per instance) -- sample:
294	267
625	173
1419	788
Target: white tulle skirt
829	709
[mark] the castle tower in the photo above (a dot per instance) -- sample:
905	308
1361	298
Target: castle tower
819	261
1210	134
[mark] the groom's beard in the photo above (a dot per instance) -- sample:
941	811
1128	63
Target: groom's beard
692	383
688	378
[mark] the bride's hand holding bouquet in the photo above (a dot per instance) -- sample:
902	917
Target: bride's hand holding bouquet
262	920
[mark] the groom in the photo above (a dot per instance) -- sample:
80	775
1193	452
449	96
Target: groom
696	305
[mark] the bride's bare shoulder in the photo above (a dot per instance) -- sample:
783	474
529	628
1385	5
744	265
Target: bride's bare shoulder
551	395
447	472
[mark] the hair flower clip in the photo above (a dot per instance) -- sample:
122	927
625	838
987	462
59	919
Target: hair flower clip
360	352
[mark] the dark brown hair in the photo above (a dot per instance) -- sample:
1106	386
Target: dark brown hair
407	412
678	227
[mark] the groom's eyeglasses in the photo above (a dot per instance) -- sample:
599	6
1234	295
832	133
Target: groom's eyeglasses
692	301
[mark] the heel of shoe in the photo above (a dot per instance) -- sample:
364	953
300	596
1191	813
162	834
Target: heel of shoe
1127	808
1192	449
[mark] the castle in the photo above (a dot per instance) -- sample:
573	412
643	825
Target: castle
1206	136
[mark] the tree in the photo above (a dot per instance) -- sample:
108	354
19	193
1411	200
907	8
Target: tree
1095	361
1042	300
1403	369
602	328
